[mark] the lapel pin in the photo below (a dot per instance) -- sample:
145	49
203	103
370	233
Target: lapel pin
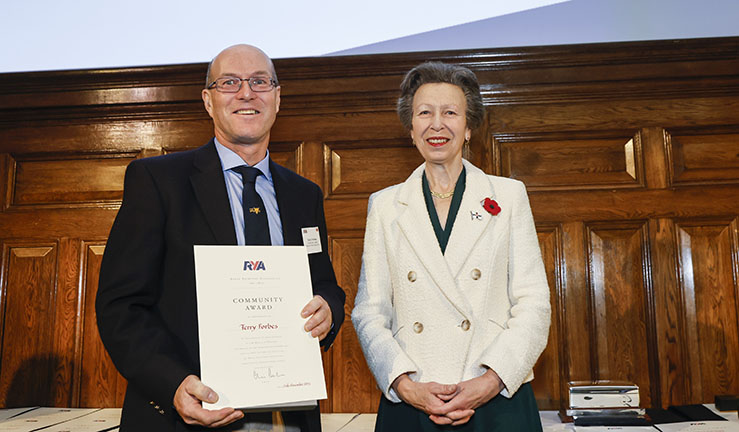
475	216
490	206
255	210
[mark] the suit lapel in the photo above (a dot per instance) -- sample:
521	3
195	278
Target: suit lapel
415	224
472	220
210	191
285	201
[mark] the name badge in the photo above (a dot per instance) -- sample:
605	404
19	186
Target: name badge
312	240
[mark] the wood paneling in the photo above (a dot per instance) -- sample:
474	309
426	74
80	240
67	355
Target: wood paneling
704	158
28	298
359	168
630	153
572	162
577	311
100	384
548	384
669	322
708	279
617	260
351	372
68	179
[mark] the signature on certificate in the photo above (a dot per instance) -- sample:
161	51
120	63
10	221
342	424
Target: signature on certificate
262	373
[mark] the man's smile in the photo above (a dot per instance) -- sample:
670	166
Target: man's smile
249	111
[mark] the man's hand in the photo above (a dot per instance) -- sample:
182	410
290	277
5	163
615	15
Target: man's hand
430	398
188	403
320	323
471	394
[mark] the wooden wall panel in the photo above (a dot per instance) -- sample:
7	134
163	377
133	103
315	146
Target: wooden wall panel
351	371
571	162
669	323
620	317
708	277
548	384
576	310
100	384
65	322
28	299
629	153
104	134
289	155
6	167
68	179
703	158
360	168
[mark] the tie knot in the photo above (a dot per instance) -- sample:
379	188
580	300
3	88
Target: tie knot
248	174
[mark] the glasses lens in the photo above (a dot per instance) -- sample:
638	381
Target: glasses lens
228	84
260	84
233	84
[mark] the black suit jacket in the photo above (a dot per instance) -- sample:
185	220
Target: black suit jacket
146	306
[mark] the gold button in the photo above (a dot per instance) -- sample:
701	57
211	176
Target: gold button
151	402
412	276
465	325
417	327
161	412
475	273
156	407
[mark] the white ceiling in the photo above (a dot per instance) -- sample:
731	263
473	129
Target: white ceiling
53	34
578	21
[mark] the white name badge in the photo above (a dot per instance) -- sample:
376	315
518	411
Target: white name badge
311	240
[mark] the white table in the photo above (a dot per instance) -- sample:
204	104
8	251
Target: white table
84	419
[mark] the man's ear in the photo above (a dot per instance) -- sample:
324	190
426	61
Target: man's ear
205	94
277	98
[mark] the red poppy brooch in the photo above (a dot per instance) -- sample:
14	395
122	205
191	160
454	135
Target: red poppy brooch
491	206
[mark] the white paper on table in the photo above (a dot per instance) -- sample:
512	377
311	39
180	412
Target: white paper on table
614	428
100	420
43	417
336	421
699	426
7	413
253	348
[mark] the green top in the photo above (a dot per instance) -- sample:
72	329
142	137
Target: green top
442	235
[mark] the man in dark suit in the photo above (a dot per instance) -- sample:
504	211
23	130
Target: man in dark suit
146	305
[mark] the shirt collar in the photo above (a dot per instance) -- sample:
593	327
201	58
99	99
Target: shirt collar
229	160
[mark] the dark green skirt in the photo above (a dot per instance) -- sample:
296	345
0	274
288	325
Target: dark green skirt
500	414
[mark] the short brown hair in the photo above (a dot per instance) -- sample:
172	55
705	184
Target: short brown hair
437	72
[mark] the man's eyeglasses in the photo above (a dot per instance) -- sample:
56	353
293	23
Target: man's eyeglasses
233	84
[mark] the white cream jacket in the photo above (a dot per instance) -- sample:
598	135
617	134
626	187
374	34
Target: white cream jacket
445	318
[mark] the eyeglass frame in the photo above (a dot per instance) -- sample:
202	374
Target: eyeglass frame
272	81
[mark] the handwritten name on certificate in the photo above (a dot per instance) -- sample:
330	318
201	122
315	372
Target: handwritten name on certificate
253	348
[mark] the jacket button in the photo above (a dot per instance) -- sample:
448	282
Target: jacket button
412	276
475	273
417	327
161	412
151	402
465	325
156	407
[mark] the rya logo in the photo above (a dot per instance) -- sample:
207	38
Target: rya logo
254	265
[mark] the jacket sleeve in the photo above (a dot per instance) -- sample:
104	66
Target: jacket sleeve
373	310
514	351
140	345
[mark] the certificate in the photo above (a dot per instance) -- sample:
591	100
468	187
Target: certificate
254	350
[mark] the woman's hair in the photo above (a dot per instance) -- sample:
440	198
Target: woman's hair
437	72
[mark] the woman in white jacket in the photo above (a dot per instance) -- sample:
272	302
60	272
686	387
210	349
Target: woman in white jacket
453	307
